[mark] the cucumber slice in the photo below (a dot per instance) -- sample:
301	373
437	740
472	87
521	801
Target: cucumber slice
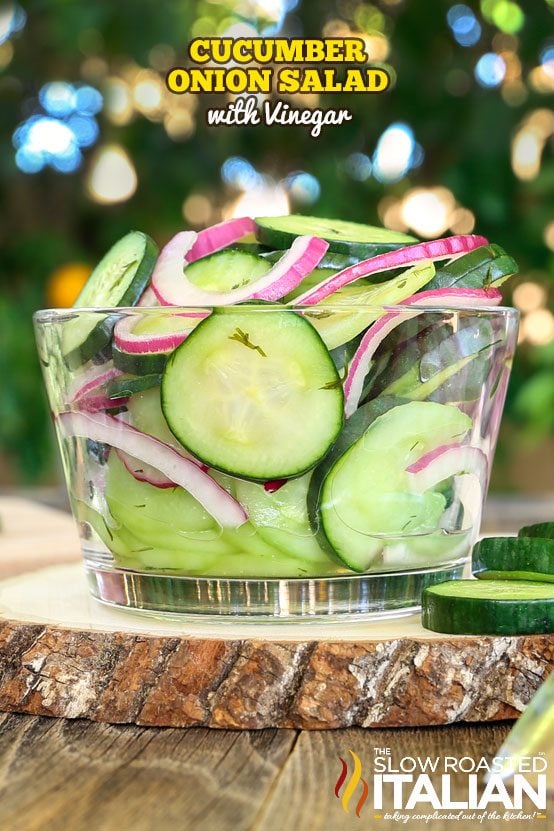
338	325
227	270
489	607
127	385
359	496
281	518
145	411
253	392
454	368
514	554
142	344
118	280
146	363
353	238
544	530
486	266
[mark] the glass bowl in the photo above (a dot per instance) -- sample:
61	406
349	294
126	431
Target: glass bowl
270	462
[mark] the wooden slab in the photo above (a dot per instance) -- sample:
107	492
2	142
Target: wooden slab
63	654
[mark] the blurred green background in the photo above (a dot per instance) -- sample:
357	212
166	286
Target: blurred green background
92	145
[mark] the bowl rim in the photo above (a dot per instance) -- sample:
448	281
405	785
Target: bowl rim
61	315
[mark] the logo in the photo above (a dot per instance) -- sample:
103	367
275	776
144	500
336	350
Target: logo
351	785
443	788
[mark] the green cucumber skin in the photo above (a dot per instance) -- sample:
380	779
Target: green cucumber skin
140	279
143	363
514	554
360	250
98	341
544	530
453	615
532	576
124	387
102	333
484	266
354	428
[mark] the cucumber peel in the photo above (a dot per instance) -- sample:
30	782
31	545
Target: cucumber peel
353	238
489	607
514	554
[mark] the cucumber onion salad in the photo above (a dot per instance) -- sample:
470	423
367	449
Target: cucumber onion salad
252	402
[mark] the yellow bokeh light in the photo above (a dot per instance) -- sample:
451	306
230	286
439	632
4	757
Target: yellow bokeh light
269	200
6	54
179	124
118	104
463	221
197	210
336	28
538	327
65	284
549	235
112	177
148	94
541	80
529	296
428	212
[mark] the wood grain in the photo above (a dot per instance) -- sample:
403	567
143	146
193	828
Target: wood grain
58	775
183	681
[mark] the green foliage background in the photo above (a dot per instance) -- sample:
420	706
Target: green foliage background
48	219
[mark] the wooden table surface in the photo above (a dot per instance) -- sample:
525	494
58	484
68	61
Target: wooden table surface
75	775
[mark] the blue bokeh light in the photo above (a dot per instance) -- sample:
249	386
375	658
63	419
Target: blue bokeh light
303	187
358	166
396	153
238	172
464	25
12	19
56	137
58	98
547	59
490	70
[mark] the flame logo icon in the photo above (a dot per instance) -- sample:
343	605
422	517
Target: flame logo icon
352	784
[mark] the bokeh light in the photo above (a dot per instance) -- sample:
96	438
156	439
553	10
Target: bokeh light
303	188
12	19
529	296
490	70
56	137
266	200
240	173
358	166
396	153
464	25
112	177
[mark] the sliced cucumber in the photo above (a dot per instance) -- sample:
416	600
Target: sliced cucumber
142	343
544	530
454	368
281	518
227	270
342	316
253	392
118	280
489	607
514	555
145	410
127	385
486	266
353	238
359	495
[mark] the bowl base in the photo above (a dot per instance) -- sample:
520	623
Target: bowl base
360	596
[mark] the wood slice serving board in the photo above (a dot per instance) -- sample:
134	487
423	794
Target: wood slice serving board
63	654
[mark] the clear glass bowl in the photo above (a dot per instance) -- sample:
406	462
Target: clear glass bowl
360	528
